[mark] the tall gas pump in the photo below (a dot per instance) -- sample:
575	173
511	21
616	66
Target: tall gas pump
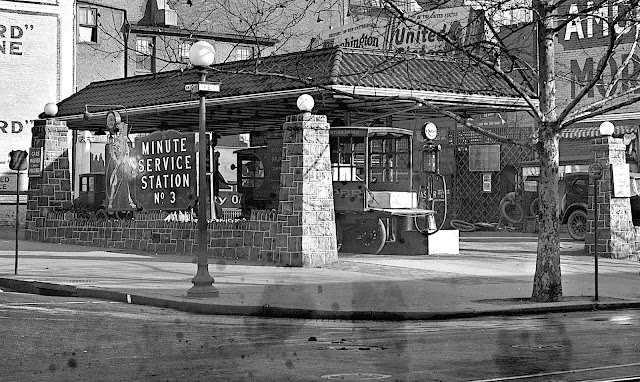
431	172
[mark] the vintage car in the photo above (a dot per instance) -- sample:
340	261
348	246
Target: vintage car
574	204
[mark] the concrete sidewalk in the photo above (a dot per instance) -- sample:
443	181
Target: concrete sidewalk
493	275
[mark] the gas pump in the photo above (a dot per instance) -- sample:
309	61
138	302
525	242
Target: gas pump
430	172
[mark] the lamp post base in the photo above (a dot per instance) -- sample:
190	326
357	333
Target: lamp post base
202	284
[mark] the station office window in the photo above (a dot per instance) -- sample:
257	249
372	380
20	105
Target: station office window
348	158
145	54
390	163
87	24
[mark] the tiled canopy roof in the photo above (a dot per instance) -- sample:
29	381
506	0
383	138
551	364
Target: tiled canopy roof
271	95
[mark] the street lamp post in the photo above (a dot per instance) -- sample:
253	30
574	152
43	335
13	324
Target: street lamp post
201	55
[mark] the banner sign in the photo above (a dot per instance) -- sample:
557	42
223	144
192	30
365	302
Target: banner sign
166	176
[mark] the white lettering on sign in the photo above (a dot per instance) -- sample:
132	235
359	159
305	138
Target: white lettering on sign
593	30
166	146
10	36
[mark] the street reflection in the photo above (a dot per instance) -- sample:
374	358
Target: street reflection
540	349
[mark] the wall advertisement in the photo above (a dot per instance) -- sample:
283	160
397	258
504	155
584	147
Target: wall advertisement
28	80
581	45
461	24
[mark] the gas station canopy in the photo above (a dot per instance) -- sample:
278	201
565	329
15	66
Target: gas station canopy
351	87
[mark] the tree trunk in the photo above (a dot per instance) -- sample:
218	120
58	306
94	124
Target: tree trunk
547	281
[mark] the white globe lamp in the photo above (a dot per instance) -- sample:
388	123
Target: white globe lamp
607	128
305	103
202	54
50	109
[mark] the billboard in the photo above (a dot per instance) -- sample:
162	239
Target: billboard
461	24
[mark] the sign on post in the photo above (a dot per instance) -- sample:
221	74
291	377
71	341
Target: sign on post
18	160
36	162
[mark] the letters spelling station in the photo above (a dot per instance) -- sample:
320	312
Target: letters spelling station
162	164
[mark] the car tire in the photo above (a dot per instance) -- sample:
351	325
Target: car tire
534	208
101	214
577	224
512	212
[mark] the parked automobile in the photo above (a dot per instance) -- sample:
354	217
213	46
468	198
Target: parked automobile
573	206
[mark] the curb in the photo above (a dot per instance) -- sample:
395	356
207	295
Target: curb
52	289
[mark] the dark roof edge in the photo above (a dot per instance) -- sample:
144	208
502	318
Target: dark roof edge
224	37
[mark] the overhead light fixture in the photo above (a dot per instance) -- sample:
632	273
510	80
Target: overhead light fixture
87	115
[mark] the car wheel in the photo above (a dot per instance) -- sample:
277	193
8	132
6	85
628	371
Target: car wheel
101	214
577	224
512	212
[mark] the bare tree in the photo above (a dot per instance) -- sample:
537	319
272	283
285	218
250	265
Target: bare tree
617	23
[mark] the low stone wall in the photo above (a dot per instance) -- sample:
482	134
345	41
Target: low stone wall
252	240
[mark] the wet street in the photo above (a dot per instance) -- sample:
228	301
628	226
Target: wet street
49	338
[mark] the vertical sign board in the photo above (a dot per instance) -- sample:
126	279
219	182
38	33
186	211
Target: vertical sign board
166	171
36	162
620	180
29	58
486	182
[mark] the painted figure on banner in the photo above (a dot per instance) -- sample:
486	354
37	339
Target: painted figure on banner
120	170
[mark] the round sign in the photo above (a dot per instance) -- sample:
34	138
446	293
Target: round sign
113	118
595	170
429	130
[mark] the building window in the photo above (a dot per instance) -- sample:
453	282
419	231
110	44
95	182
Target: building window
145	54
242	53
87	24
183	51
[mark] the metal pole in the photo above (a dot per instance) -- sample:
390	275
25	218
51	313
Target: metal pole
595	233
17	220
202	282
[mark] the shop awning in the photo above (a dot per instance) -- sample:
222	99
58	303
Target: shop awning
591	132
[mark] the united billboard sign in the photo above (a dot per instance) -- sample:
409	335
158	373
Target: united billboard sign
166	171
460	24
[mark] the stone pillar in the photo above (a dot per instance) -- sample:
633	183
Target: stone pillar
51	191
306	216
616	234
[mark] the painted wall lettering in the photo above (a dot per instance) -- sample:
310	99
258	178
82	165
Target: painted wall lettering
582	71
10	38
593	30
11	127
